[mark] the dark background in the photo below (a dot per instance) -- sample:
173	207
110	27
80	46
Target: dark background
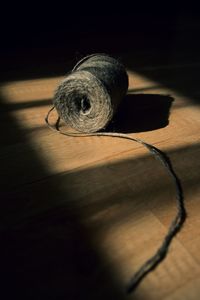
46	40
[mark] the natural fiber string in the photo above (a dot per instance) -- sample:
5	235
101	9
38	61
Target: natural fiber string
89	95
177	222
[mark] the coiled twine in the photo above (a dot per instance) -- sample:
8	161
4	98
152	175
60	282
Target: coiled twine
86	100
88	97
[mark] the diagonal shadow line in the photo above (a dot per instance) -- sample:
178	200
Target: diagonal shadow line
51	255
17	236
105	177
70	186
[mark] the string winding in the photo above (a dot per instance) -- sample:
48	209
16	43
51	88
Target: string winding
178	220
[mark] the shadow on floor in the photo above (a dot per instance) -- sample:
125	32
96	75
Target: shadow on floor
46	252
50	228
141	112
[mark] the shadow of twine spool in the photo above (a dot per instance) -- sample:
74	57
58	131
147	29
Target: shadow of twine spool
88	97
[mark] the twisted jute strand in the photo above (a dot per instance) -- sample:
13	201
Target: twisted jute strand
178	220
88	97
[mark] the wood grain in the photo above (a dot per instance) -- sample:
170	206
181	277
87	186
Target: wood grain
80	215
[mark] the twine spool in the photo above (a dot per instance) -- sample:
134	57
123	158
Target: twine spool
88	97
86	100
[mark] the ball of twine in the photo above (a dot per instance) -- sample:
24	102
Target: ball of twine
89	96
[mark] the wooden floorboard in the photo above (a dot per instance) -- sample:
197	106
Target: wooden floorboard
80	215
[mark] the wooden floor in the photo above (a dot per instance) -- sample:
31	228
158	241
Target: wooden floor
80	215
